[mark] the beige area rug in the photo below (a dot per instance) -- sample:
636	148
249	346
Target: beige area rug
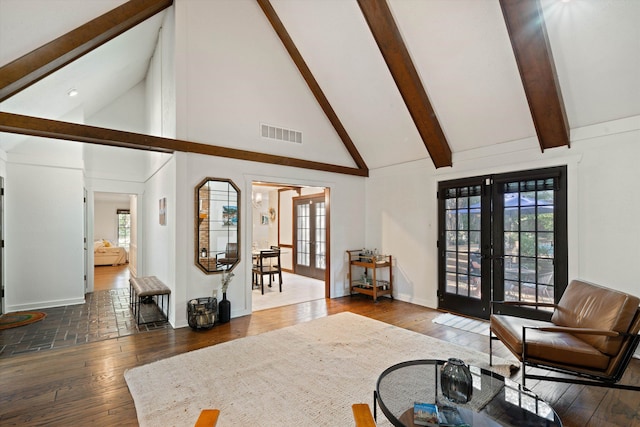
304	375
464	323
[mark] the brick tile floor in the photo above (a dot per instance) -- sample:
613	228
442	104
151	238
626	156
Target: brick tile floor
104	315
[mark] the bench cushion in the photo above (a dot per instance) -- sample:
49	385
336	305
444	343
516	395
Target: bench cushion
148	285
586	305
556	347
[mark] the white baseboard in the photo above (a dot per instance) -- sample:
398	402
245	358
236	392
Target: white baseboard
44	304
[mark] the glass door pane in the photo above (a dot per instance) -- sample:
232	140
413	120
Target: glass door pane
310	236
320	231
530	240
463	269
303	242
461	243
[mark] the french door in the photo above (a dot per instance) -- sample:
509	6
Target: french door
502	237
309	235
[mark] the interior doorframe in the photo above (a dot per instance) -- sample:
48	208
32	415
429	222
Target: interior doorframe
290	185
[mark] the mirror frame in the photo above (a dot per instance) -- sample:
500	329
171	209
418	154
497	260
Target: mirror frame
202	216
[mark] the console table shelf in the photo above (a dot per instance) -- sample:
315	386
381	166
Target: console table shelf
369	284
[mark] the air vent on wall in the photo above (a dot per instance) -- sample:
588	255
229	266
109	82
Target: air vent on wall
280	134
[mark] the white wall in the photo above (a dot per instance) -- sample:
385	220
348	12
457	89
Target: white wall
44	250
133	238
128	112
262	233
347	225
609	230
159	241
225	91
105	225
401	207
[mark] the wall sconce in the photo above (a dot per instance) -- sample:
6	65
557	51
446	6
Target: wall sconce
256	199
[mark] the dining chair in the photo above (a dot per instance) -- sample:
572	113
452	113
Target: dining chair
268	264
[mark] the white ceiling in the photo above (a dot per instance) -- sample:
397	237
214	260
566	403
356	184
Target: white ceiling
460	48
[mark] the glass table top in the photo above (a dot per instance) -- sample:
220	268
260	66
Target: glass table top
495	400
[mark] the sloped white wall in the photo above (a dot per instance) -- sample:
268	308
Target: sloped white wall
401	207
225	91
127	113
16	38
160	82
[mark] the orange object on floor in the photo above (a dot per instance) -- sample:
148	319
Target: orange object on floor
208	418
362	415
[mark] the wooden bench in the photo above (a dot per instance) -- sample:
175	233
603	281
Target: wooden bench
148	287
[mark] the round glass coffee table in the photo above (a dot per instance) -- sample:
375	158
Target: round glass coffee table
495	401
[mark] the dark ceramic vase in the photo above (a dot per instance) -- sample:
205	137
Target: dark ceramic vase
224	309
456	381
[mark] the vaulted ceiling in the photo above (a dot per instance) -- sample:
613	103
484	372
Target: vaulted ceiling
398	80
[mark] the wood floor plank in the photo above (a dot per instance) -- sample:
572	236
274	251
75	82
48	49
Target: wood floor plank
84	385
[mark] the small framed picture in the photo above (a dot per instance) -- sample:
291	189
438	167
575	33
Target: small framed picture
264	219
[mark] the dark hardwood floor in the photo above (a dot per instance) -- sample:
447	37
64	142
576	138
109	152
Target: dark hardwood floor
84	384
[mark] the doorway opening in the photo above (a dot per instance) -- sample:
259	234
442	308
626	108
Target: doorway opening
294	219
114	240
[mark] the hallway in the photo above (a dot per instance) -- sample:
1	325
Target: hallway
104	315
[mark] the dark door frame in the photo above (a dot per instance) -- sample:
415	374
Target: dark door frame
489	189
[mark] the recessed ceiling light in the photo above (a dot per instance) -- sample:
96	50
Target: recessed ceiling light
72	93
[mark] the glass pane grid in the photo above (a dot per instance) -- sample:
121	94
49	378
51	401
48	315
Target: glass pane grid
529	241
124	229
462	232
303	247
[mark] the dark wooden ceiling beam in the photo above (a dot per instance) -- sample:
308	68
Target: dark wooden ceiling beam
298	60
395	53
528	34
45	128
39	63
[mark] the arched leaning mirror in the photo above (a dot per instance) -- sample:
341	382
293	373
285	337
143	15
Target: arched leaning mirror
217	225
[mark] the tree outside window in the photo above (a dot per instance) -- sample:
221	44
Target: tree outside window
124	227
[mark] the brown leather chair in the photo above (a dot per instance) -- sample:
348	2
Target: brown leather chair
226	259
592	335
